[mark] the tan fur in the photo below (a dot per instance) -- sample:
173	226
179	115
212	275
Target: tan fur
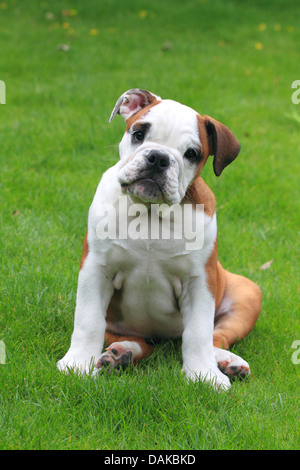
135	117
199	193
147	349
245	297
85	250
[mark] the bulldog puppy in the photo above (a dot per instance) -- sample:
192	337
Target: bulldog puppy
133	289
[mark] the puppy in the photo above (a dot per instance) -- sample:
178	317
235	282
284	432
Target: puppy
132	288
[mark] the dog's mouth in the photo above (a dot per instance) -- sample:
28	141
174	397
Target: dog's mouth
145	189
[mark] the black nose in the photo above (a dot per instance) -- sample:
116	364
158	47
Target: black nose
158	160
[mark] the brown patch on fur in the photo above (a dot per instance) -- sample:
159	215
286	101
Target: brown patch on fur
135	117
85	250
204	144
215	276
146	348
217	140
199	193
244	297
221	142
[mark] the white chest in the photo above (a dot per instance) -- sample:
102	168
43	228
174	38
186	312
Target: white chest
150	275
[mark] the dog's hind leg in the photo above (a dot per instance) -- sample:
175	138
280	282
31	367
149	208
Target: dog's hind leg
238	311
122	350
235	317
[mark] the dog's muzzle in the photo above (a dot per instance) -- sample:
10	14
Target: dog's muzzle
150	178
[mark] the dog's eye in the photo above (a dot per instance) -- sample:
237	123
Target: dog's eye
138	136
192	155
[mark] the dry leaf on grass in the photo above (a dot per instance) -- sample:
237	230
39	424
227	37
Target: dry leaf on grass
267	264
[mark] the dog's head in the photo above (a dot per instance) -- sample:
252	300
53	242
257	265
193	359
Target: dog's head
166	145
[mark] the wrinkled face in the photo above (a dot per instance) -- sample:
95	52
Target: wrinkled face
160	153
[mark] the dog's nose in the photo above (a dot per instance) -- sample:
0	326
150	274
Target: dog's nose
158	160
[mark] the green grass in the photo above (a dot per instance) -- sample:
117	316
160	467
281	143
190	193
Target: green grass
233	60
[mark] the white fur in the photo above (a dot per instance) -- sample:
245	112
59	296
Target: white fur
164	286
167	133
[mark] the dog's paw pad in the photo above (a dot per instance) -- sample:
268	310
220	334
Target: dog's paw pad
125	359
106	361
240	371
236	368
223	365
115	356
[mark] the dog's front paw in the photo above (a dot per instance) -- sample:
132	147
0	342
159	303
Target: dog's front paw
211	375
79	363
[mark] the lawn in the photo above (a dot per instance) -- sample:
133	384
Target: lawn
64	64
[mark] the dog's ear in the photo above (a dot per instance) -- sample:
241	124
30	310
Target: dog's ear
222	144
133	101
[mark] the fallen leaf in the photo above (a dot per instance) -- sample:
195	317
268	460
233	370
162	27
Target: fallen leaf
143	14
258	46
50	15
262	27
63	47
267	264
167	46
